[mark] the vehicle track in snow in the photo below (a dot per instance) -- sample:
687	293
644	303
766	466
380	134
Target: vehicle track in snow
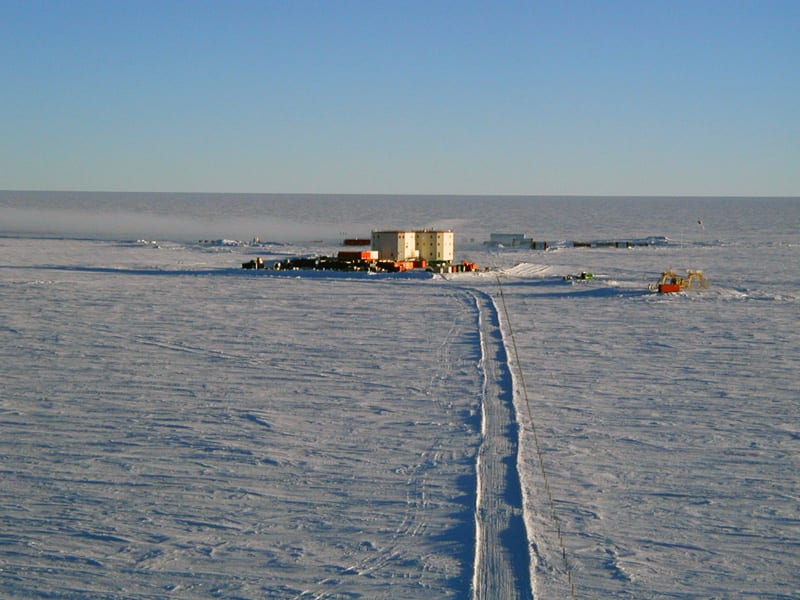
413	525
502	559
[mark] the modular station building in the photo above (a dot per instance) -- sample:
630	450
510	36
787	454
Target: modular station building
429	245
391	251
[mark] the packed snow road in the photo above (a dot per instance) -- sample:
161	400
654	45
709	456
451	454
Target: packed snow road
502	560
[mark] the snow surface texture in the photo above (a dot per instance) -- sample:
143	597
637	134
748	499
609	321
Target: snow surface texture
172	426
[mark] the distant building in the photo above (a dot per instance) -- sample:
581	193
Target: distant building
428	245
509	239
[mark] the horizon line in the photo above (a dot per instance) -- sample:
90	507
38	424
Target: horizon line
403	194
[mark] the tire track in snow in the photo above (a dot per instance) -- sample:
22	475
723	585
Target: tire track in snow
502	560
414	522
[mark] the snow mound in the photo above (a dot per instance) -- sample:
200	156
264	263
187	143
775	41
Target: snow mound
528	270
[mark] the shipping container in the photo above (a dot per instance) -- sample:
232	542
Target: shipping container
358	254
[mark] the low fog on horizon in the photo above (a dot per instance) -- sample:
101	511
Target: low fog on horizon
55	222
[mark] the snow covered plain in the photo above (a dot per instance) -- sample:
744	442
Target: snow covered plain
172	426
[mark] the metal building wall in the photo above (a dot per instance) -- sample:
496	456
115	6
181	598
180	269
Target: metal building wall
395	245
435	245
411	245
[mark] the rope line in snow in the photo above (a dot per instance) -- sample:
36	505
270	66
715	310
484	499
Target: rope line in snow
553	514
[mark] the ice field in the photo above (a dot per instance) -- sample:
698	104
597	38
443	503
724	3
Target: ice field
172	426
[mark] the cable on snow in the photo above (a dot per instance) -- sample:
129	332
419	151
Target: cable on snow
553	514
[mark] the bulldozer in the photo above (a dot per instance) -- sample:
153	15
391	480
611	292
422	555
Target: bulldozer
671	282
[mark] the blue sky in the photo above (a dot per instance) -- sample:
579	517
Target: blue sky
644	97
